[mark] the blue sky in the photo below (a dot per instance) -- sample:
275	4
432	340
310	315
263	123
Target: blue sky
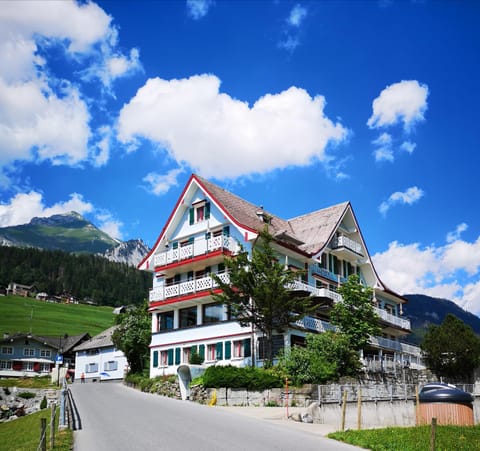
106	108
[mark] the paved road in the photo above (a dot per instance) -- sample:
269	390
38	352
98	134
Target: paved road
115	417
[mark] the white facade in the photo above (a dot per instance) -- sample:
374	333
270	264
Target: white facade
99	360
209	224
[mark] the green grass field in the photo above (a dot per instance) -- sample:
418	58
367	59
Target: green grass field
23	434
448	438
19	314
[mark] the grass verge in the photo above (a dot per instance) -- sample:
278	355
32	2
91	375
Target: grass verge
28	382
458	438
23	434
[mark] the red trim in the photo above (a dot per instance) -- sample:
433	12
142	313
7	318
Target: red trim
187	297
200	339
193	259
153	249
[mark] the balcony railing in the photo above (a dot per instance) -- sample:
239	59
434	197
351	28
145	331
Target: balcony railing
344	241
186	287
200	246
396	346
315	324
298	285
392	319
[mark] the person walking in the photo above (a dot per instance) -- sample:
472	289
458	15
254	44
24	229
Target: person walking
82	378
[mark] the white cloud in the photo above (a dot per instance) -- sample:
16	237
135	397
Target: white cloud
198	8
453	236
297	15
404	102
42	116
160	184
408	197
109	225
384	151
291	39
219	136
451	271
25	206
408	146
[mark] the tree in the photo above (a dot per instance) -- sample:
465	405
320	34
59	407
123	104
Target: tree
133	335
451	350
354	315
326	357
258	292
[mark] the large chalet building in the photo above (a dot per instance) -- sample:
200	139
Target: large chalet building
209	224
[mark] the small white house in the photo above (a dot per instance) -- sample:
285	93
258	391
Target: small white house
98	359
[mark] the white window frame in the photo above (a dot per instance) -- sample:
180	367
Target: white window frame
28	366
5	364
29	352
45	353
111	365
91	367
7	350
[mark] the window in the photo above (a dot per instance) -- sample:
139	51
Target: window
199	212
28	366
163	358
277	345
188	317
29	352
212	313
44	367
45	353
186	355
91	368
8	350
111	365
92	351
5	365
166	321
211	352
241	348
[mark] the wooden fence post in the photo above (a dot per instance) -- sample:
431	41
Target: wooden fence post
344	408
52	425
359	410
433	433
43	431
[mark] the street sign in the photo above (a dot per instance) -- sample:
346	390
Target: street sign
59	359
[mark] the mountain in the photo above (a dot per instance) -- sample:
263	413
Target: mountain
130	252
71	232
424	310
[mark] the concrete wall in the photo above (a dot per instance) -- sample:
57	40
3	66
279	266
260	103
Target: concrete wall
374	414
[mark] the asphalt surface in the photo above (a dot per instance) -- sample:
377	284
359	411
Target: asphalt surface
111	416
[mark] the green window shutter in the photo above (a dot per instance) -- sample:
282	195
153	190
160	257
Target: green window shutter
247	347
170	356
176	279
207	210
228	350
219	350
155	359
177	356
226	231
192	215
175	245
191	240
201	351
221	267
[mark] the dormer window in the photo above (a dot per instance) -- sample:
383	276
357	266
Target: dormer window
199	211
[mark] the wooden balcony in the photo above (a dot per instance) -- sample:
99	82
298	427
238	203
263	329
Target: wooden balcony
199	247
186	288
346	248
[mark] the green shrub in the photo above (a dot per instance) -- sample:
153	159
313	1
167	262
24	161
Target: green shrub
26	395
234	377
43	404
195	358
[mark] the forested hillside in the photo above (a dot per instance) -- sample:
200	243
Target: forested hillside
85	277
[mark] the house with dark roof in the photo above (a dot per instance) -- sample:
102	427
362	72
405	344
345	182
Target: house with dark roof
208	224
98	359
29	355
